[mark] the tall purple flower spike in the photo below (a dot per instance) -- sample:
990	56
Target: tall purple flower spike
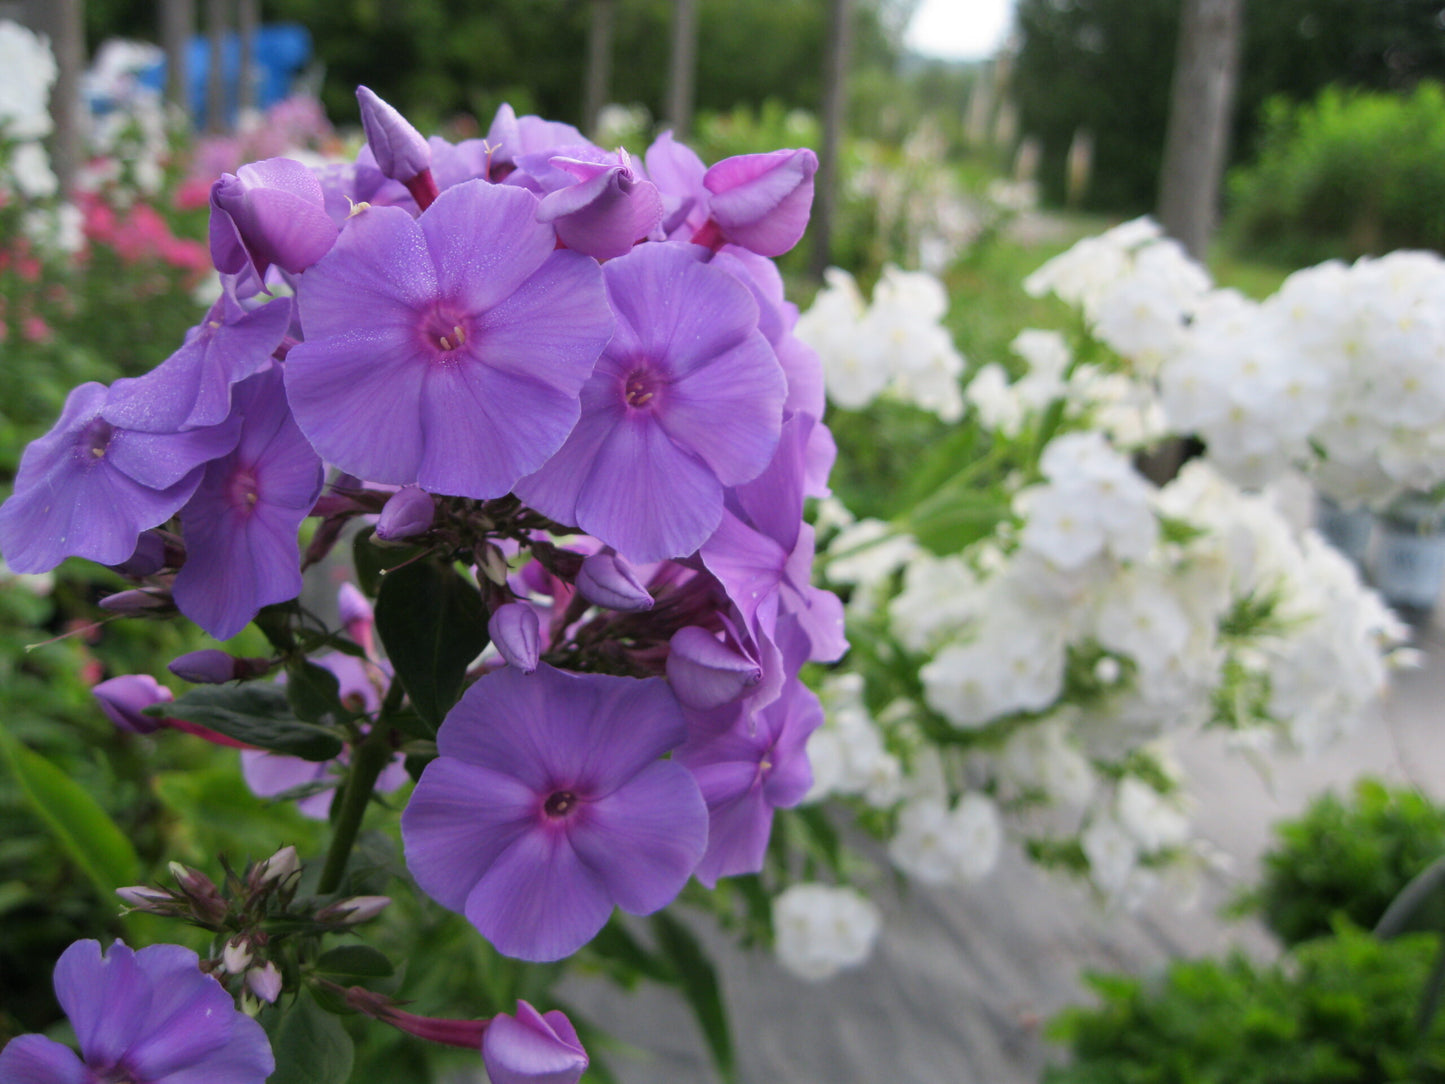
147	1017
240	527
686	399
549	804
446	350
268	213
88	489
192	387
756	765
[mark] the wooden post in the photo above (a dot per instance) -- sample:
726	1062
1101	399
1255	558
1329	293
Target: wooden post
64	22
217	22
682	68
248	18
1197	140
178	26
835	100
599	62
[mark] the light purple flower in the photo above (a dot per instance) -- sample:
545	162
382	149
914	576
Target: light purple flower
516	631
706	672
407	512
756	765
268	212
549	805
512	137
532	1048
685	400
401	151
446	350
147	1017
124	700
606	211
762	201
88	489
240	527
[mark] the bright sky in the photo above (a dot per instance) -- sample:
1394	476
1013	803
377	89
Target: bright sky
959	29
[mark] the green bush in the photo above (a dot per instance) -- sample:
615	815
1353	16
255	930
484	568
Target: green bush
1348	859
1340	1009
1352	173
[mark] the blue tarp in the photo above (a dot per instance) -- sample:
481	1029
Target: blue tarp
281	50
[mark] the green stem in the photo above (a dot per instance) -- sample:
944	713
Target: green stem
368	759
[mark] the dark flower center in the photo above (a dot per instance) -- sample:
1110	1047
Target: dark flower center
445	330
243	491
94	440
640	387
559	803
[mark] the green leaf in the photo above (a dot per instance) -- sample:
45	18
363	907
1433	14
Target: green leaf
697	979
82	828
433	624
353	962
256	714
372	559
314	692
311	1046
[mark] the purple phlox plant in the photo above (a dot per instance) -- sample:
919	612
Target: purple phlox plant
533	1048
446	350
192	387
606	211
268	213
146	1017
240	526
548	805
510	137
748	764
89	488
361	684
685	400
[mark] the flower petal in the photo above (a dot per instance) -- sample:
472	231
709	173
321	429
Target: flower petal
34	1059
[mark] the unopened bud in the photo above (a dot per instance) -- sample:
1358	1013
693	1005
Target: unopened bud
401	151
408	512
125	698
155	901
608	580
131	603
515	630
353	911
706	673
493	565
265	982
149	557
762	201
200	893
211	666
236	956
279	866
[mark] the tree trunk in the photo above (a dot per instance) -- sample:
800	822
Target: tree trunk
835	101
248	18
599	62
178	26
1197	141
217	23
682	67
63	21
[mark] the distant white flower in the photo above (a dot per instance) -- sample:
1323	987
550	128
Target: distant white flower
27	69
822	929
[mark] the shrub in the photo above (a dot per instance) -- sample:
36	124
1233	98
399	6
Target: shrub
1339	1009
1348	859
1352	173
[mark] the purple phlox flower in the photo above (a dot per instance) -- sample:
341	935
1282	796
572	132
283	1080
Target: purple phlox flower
678	173
777	317
149	557
401	152
147	1017
408	512
610	581
533	1048
515	629
510	137
269	212
447	350
211	666
362	684
757	763
192	387
549	805
88	488
240	527
125	698
606	211
762	201
707	672
762	552
686	399
356	616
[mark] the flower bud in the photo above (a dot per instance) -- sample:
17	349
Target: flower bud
356	614
516	632
265	982
353	911
608	210
154	901
236	956
533	1048
493	565
762	201
270	212
200	893
706	673
125	698
408	512
608	580
466	1034
131	603
401	151
149	556
281	865
212	666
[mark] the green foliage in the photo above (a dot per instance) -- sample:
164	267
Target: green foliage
1347	175
1338	1009
1348	859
